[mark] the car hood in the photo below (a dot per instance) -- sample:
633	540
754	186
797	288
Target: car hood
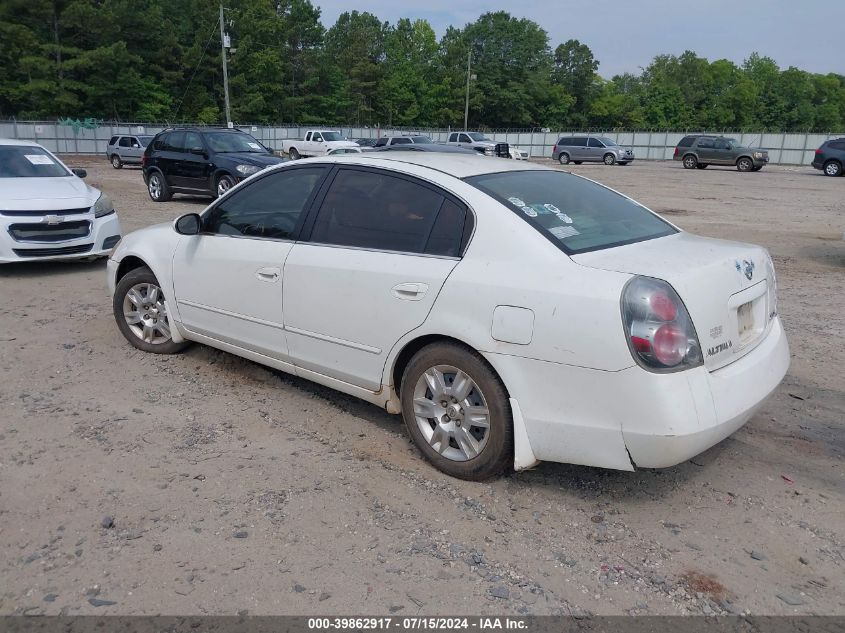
251	158
46	194
713	278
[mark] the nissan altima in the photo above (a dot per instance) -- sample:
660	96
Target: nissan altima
47	211
511	313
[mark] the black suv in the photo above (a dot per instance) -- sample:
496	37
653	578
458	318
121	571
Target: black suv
830	157
201	161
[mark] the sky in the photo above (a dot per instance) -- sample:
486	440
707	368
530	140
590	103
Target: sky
625	35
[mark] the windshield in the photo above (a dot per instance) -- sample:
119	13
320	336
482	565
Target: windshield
223	142
607	141
26	161
478	136
333	136
576	214
422	139
144	140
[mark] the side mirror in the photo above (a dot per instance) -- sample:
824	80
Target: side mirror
188	224
135	146
79	173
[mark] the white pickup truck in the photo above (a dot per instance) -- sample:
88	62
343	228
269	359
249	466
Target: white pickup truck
316	143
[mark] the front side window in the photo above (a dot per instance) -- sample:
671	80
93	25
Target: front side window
426	140
594	142
317	138
465	139
706	143
270	207
402	140
368	209
333	136
576	214
28	161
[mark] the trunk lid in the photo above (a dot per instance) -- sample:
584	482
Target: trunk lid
724	285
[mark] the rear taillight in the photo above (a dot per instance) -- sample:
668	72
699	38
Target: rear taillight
818	151
772	288
554	148
143	160
658	327
677	151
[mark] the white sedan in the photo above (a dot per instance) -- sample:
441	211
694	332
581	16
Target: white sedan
47	211
511	313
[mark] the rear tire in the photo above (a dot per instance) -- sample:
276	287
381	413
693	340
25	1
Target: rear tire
690	161
141	314
158	188
701	166
609	159
744	164
832	168
563	159
294	155
472	436
116	162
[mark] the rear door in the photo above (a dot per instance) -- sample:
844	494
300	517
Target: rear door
228	279
367	271
706	150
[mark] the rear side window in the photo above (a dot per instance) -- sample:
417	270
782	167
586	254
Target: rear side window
402	140
175	142
574	213
453	138
160	142
687	141
270	207
368	209
579	141
840	145
113	140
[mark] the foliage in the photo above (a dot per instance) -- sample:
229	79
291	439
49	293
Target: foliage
153	60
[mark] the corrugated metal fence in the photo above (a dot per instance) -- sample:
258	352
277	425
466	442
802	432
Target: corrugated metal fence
784	149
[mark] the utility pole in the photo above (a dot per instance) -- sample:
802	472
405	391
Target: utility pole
225	69
466	107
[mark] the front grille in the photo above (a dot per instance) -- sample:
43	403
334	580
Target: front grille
41	232
23	214
47	252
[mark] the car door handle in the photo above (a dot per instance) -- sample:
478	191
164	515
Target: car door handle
410	291
270	275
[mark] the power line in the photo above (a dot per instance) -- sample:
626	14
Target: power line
196	68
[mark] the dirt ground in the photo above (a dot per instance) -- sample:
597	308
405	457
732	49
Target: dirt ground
233	488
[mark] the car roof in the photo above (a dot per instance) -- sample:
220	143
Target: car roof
18	142
457	165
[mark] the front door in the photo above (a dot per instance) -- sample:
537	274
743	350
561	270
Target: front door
367	271
193	170
228	279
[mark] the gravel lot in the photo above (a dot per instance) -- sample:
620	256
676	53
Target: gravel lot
205	484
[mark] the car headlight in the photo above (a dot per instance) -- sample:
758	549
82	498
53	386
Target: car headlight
488	151
247	170
103	206
758	154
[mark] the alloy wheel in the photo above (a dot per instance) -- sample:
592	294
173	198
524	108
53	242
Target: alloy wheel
832	168
223	185
154	185
451	412
146	313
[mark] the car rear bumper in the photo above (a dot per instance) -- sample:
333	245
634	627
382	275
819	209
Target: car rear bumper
635	418
818	164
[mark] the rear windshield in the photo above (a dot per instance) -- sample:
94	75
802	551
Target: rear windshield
576	214
25	161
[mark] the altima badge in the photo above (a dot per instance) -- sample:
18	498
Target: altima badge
746	267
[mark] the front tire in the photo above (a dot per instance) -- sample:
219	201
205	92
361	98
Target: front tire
224	183
141	313
563	159
116	162
832	168
609	159
690	161
457	411
744	164
158	188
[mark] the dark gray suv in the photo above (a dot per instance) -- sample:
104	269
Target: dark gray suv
830	157
699	151
590	149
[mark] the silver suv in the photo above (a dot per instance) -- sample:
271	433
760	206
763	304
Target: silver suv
127	149
411	139
593	149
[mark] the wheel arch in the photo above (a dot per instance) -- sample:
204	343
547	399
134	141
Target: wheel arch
127	265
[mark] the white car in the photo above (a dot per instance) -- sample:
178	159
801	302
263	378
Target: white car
518	154
345	150
512	313
47	211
